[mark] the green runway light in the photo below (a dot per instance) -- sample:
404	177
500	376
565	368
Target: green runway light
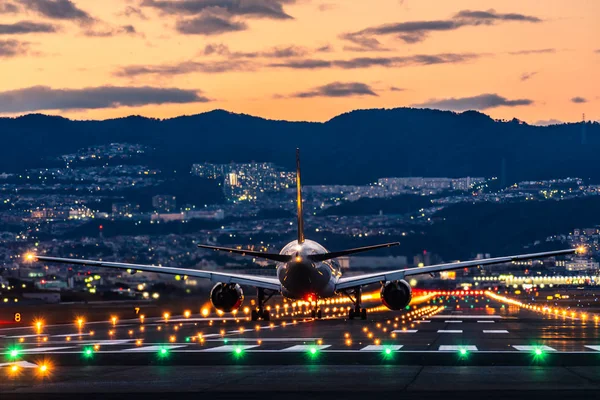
388	351
538	352
463	352
14	353
163	352
187	339
225	341
87	353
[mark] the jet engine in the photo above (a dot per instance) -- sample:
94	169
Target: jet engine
227	296
396	295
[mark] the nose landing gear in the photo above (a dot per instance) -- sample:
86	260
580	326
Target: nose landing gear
261	312
357	312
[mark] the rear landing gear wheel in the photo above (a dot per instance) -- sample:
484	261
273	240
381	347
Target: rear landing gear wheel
266	315
363	314
351	314
313	314
254	315
319	314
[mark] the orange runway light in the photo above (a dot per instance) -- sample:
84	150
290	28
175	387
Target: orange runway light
187	313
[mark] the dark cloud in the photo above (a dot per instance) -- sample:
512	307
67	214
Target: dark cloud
8	8
133	12
388	62
210	24
481	102
528	75
12	48
58	9
579	100
23	27
251	8
491	15
275	52
527	52
396	89
338	89
187	67
45	98
417	31
109	32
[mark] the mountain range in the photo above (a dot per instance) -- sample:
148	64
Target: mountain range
353	148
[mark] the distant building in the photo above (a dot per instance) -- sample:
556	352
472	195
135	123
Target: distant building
163	203
125	209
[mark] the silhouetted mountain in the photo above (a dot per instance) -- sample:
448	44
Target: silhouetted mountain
355	147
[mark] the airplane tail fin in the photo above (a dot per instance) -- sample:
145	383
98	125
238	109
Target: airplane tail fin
336	254
299	199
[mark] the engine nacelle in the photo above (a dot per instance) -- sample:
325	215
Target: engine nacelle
396	295
227	297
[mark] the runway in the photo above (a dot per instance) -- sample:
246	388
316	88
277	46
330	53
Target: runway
478	336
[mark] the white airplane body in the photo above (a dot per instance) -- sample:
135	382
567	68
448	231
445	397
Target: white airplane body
307	271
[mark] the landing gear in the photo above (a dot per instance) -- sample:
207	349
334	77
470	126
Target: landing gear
261	312
357	312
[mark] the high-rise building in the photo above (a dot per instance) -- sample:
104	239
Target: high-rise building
164	203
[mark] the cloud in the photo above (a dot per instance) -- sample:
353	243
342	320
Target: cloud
186	67
579	100
133	11
109	32
8	8
527	52
23	27
251	8
528	75
12	48
274	52
548	122
212	24
338	89
481	102
396	89
58	9
417	31
388	62
45	98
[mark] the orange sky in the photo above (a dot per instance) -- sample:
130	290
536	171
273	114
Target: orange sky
476	46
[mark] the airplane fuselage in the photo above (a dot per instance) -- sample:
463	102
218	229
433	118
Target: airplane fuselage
304	279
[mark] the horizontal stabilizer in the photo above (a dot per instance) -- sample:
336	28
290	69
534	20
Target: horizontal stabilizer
336	254
258	254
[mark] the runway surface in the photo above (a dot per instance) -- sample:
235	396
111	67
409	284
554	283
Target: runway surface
485	341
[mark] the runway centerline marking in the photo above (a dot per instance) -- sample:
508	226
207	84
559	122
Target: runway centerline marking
495	331
486	322
44	349
230	348
457	348
73	334
466	316
453	322
153	348
597	348
533	348
20	364
373	347
303	348
405	331
449	331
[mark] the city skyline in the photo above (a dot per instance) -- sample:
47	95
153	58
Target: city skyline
298	59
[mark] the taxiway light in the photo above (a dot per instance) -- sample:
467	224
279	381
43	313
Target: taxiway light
14	369
187	313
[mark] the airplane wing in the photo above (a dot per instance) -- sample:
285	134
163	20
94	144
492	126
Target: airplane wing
360	280
250	280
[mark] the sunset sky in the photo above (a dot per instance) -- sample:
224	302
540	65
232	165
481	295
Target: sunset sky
300	59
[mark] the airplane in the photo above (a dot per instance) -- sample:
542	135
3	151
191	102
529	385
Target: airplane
306	271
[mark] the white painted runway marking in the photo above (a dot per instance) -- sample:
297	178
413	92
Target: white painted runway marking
44	349
457	348
405	331
495	331
230	348
532	348
423	322
26	336
266	339
449	331
153	348
484	316
72	334
486	322
597	348
302	347
373	347
106	342
20	364
453	322
240	331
